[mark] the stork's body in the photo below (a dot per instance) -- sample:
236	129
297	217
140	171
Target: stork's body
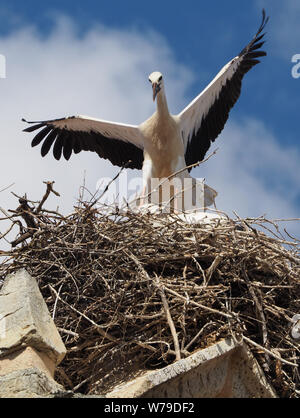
164	153
164	144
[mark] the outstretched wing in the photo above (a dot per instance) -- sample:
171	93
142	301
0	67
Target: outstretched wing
205	117
121	144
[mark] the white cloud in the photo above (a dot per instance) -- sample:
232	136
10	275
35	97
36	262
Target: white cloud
253	174
104	74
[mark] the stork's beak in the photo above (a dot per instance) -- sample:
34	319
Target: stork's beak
156	89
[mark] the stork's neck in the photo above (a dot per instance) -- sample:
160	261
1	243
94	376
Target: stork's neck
162	105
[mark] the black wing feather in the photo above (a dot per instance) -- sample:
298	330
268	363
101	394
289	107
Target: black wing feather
33	128
66	142
48	142
68	147
40	136
58	147
213	123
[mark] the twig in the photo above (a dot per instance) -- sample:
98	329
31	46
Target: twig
262	317
49	190
210	271
21	239
108	186
99	328
169	318
55	304
8	187
199	305
269	352
68	332
198	335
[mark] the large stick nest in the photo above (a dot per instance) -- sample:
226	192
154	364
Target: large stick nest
134	292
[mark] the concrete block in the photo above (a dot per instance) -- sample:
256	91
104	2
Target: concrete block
28	383
225	370
25	319
26	359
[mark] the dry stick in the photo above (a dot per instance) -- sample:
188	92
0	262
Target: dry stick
68	273
262	317
286	220
26	212
290	236
210	271
82	383
198	265
169	318
8	231
55	304
246	223
108	186
165	305
198	335
7	187
64	376
199	305
47	194
22	238
147	346
6	214
23	197
269	352
29	234
66	331
259	221
99	328
283	253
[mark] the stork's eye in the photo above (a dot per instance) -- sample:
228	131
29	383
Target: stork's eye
160	78
150	80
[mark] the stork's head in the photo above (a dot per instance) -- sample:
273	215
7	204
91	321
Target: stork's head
156	79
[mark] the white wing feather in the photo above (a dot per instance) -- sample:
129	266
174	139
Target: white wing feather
191	117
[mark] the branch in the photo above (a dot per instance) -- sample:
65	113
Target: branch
169	318
29	214
47	194
269	352
7	187
108	186
99	328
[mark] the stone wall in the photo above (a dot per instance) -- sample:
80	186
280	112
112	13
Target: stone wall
30	345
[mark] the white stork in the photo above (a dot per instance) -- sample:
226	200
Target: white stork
165	143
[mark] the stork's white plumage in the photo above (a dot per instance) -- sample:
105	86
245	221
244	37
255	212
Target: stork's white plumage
164	143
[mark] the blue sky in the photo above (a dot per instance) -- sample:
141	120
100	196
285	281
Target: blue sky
189	41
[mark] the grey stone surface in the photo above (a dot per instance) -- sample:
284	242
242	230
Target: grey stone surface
28	383
226	369
25	319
